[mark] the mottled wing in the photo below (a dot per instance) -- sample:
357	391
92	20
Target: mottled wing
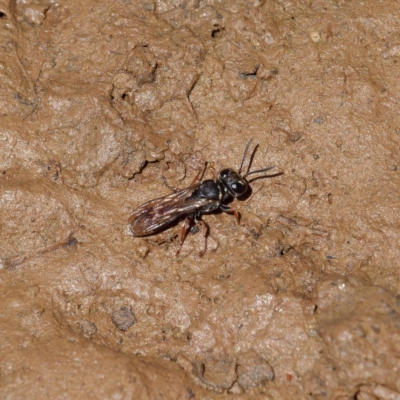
158	213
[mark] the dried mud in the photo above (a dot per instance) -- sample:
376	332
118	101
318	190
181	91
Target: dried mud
103	101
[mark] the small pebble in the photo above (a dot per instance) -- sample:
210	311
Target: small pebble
124	318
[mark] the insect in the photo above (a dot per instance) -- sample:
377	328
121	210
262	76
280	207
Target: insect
199	198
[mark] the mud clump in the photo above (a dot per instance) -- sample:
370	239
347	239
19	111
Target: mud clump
105	106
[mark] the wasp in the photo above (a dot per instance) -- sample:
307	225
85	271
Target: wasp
199	198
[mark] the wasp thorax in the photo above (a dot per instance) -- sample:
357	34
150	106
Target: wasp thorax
235	183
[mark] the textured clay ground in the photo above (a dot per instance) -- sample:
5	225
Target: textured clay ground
100	100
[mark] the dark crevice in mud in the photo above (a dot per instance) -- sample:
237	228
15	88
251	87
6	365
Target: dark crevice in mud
143	166
217	32
250	75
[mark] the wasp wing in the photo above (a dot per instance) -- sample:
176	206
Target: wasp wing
158	213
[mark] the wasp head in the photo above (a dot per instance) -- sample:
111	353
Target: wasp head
234	182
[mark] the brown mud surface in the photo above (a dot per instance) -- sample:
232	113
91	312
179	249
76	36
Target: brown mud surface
103	101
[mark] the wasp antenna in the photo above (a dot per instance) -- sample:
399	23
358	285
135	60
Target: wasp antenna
259	170
251	159
244	155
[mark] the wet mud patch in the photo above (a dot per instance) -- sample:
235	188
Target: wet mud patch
105	106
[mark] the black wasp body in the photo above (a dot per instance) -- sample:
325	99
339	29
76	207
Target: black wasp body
199	198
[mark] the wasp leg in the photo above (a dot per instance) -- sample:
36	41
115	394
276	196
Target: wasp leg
229	209
185	229
199	176
204	232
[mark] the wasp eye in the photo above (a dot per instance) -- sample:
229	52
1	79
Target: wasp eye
238	188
